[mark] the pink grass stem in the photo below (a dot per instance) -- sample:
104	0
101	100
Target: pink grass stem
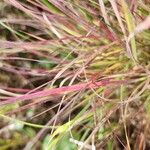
61	90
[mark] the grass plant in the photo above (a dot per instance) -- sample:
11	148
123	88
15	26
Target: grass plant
74	74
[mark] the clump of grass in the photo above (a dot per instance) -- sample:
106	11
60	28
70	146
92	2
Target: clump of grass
74	74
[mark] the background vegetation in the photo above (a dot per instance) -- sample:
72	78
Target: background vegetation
74	74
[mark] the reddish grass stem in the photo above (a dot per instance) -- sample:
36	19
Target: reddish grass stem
62	90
